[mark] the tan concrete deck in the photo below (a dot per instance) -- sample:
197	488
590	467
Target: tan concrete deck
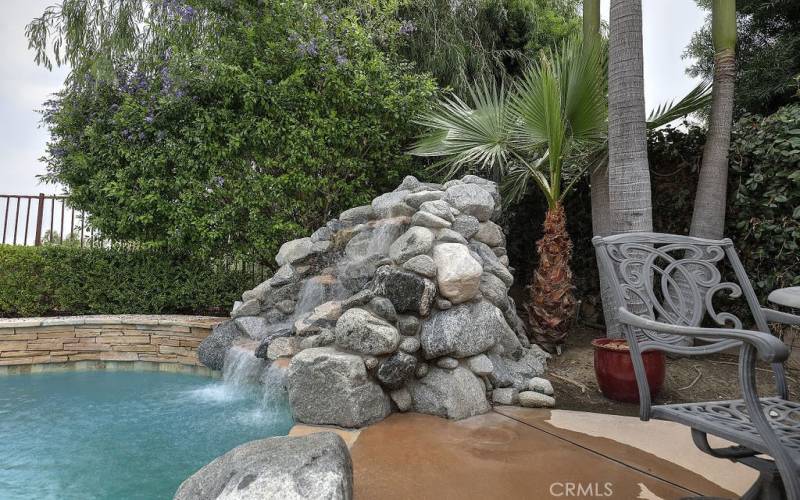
520	453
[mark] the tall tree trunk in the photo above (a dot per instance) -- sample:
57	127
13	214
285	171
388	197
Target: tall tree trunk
552	302
628	170
629	194
708	217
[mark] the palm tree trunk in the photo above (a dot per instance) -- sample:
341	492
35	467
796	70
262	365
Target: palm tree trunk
628	170
708	218
552	303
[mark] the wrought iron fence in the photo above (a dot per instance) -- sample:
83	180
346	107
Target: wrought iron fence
32	220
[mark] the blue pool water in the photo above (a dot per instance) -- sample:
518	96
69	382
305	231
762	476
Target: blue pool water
123	435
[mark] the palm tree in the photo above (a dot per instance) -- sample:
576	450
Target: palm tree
630	202
708	218
527	135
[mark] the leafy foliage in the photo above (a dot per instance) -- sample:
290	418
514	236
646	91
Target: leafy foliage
522	136
58	279
239	140
764	208
767	53
461	42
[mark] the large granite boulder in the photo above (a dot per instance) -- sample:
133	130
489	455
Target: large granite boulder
327	386
454	394
471	199
361	331
416	241
458	273
408	291
212	350
314	466
294	251
463	330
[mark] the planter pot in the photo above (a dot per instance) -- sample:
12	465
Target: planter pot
614	370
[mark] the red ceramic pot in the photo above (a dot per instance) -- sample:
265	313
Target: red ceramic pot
614	370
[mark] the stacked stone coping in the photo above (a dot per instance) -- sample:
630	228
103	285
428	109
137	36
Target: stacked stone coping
144	339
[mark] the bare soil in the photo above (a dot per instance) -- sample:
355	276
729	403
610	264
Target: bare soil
688	379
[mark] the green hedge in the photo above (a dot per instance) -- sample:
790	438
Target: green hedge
54	280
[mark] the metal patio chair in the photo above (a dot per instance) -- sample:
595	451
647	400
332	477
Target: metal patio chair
671	288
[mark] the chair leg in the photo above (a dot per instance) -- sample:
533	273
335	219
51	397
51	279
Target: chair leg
769	485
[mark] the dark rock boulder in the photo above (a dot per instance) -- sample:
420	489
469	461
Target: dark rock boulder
212	350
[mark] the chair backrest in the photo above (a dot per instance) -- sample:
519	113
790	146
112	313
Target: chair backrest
677	280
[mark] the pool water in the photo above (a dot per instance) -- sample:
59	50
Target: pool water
123	435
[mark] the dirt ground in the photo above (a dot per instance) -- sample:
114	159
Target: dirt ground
688	379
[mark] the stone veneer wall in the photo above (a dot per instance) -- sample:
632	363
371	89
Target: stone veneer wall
123	338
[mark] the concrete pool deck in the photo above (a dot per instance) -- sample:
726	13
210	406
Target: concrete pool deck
521	453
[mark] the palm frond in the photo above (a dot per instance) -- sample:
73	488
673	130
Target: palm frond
695	100
468	136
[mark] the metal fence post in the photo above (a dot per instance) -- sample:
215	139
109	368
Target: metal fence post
39	217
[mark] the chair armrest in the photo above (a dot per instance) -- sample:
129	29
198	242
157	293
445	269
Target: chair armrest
769	347
780	317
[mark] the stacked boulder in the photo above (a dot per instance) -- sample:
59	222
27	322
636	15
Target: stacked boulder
402	305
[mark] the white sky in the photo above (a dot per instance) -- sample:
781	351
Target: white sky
668	26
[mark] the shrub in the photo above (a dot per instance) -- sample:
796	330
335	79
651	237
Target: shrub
764	197
272	123
54	280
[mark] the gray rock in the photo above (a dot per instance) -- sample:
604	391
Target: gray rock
383	307
416	241
282	276
447	363
396	369
491	234
318	340
499	251
443	304
466	225
323	316
402	398
322	234
425	219
283	347
409	345
463	331
491	263
421	264
249	308
212	350
454	394
494	290
285	306
532	363
408	325
321	246
470	199
422	370
485	183
458	274
542	385
327	386
254	327
409	182
531	399
371	362
452	182
449	236
408	291
480	364
358	330
438	208
390	204
505	396
287	467
416	199
357	215
260	292
501	376
294	251
503	259
359	299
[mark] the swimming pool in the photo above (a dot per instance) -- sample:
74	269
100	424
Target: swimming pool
123	435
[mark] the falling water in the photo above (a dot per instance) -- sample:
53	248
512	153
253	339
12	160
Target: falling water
242	367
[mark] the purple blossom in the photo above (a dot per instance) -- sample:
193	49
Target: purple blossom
324	18
219	180
310	48
340	60
149	118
